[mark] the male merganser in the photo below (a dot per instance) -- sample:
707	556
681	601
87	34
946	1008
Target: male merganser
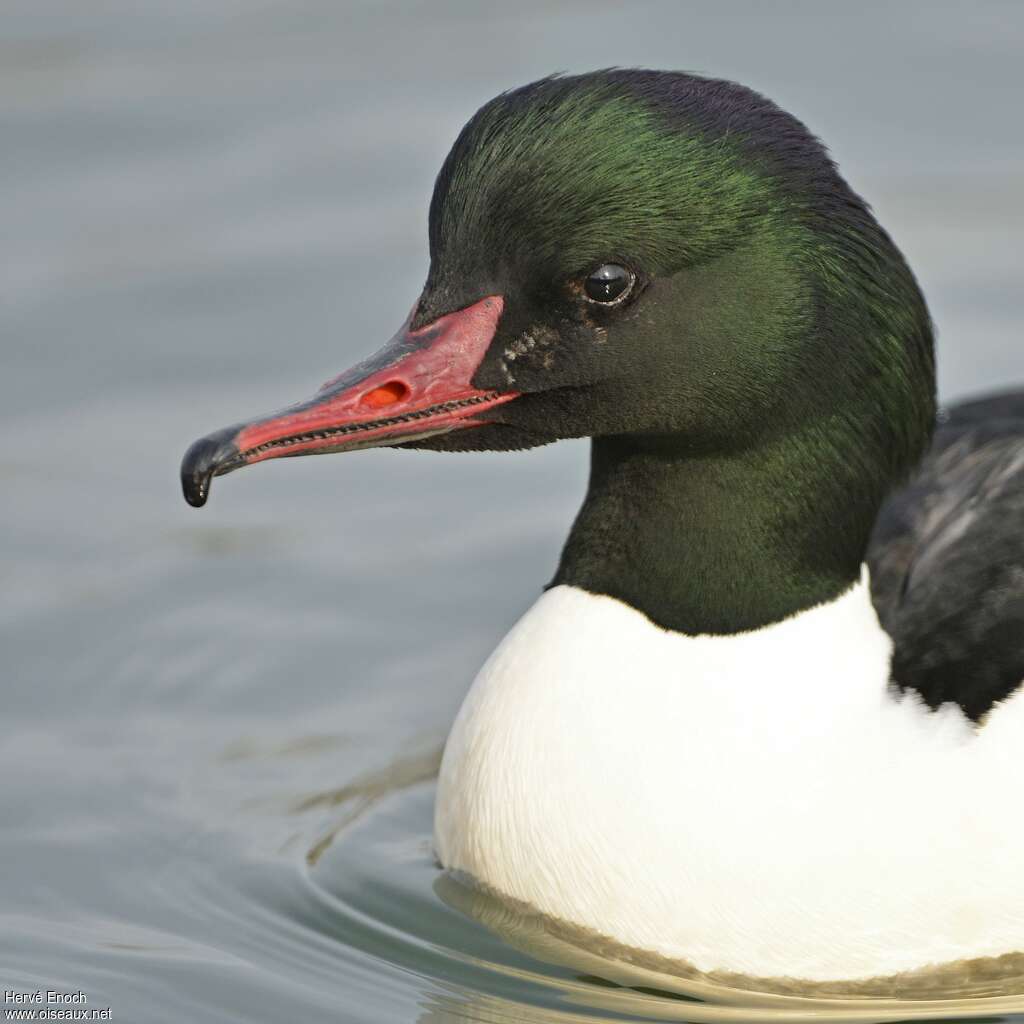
700	742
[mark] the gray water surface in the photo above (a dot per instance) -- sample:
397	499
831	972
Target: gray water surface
220	729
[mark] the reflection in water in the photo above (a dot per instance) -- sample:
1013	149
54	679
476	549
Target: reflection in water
495	960
360	795
545	938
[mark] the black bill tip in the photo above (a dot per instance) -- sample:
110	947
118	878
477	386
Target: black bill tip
206	458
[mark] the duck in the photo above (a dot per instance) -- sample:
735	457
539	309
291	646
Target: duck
767	717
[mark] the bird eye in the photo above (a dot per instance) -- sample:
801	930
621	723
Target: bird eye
609	283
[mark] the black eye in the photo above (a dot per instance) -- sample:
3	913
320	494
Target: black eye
608	283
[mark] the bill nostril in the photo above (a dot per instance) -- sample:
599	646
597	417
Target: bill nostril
386	394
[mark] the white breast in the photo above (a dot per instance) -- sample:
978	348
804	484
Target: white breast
760	803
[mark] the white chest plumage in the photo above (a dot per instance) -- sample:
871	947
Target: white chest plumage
761	803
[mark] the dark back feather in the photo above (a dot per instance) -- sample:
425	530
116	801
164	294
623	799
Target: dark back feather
947	560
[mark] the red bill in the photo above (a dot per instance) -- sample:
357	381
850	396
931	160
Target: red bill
417	386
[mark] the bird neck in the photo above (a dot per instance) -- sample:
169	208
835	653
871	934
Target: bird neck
717	543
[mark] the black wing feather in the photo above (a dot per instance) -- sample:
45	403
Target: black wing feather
947	560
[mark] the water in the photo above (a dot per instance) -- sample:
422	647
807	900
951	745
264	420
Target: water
221	728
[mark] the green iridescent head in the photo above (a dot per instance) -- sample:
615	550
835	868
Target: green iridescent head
765	297
672	266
